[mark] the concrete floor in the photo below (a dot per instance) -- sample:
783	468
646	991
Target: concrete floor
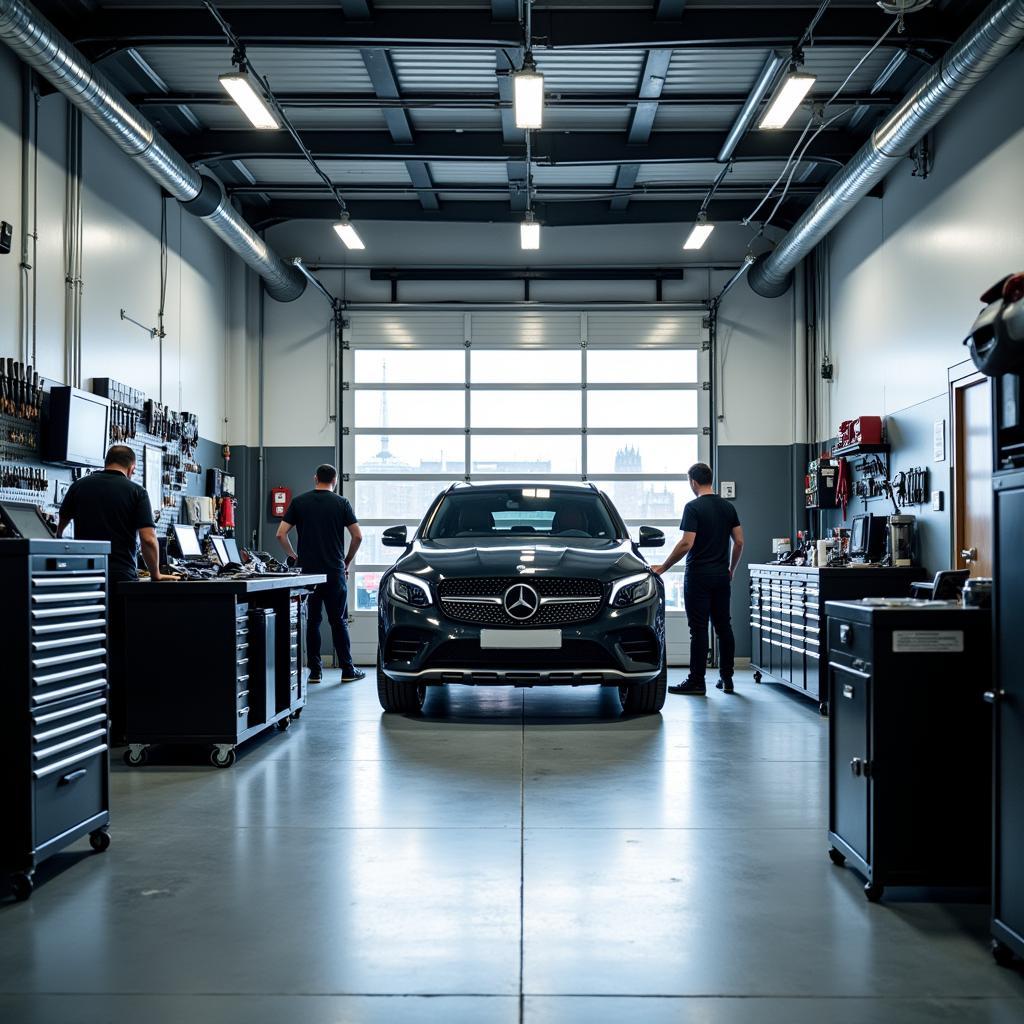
512	855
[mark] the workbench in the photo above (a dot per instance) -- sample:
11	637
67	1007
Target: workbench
212	662
787	617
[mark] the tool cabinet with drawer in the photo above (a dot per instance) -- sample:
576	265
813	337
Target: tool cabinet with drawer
54	729
910	743
227	673
787	618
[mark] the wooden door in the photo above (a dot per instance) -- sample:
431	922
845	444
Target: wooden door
972	475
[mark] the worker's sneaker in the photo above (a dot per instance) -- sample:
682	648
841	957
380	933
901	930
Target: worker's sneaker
725	685
691	687
353	675
315	677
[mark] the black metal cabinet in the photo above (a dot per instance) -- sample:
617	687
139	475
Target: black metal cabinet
54	726
909	744
1007	698
787	617
212	663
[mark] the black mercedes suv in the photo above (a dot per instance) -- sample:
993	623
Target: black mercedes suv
522	585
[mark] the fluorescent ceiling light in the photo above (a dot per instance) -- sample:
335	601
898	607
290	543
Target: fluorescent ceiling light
699	234
243	90
528	96
794	88
348	234
529	233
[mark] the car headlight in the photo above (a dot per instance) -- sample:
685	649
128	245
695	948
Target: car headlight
632	590
409	590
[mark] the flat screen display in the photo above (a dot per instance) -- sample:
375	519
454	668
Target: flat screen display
859	535
232	548
87	430
26	521
220	550
188	542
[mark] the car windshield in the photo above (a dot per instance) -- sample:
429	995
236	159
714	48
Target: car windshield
522	512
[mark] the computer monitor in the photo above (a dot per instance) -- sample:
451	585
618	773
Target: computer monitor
21	519
187	541
860	533
232	548
220	550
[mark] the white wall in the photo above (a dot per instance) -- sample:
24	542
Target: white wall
756	336
907	269
121	269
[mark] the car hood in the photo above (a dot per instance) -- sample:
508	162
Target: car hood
444	559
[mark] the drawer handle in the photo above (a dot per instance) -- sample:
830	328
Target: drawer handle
41	773
993	696
242	712
857	767
243	679
66	780
243	693
845	634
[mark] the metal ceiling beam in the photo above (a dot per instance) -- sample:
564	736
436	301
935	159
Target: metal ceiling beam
487	101
498	212
109	30
549	147
385	85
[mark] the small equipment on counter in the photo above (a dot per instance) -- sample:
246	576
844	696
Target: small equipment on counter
901	539
867	539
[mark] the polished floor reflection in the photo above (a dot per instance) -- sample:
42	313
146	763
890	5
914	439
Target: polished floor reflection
508	856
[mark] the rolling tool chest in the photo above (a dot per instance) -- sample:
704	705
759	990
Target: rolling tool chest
787	618
910	744
54	727
233	668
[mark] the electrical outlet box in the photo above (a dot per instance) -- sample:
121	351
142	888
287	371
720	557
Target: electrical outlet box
728	489
936	501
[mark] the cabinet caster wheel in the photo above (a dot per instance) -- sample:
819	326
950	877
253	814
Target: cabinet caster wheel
222	758
823	709
836	857
22	886
135	757
758	677
873	893
1002	954
99	840
297	714
284	723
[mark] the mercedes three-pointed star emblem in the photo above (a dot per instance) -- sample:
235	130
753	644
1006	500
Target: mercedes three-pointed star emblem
521	602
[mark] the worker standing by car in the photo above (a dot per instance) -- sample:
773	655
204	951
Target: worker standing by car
322	517
710	525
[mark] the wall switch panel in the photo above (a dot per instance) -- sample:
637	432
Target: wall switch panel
728	489
936	501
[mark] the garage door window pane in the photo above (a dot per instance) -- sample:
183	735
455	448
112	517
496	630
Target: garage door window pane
641	453
366	585
647	500
527	454
407	366
526	410
398	500
410	409
373	552
411	453
641	366
519	366
641	408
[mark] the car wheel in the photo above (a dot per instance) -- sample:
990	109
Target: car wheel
646	698
403	698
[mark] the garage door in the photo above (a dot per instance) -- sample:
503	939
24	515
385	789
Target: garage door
433	397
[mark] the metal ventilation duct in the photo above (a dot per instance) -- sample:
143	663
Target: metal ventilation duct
997	31
45	50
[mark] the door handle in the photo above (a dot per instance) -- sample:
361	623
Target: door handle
857	767
969	554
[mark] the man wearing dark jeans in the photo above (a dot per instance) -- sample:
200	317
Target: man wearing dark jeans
710	525
322	517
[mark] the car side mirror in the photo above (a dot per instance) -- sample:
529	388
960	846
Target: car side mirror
395	537
651	538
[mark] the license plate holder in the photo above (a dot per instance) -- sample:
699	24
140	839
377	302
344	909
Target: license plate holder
520	639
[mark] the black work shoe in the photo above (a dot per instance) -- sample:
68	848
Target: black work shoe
315	676
689	686
353	676
725	685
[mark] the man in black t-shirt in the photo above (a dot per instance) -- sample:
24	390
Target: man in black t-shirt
110	506
710	526
322	517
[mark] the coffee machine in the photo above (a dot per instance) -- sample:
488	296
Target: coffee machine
901	539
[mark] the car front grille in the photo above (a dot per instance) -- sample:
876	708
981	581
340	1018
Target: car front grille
563	611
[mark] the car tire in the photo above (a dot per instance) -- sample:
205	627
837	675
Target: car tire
398	697
646	698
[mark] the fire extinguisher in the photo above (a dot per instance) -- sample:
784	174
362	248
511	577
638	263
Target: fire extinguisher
280	499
